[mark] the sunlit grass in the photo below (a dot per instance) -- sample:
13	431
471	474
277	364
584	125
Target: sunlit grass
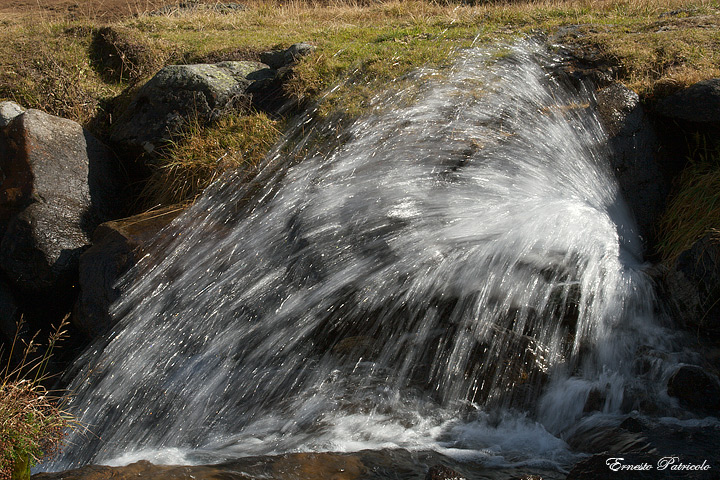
187	166
363	47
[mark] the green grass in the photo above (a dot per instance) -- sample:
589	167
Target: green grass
658	47
694	210
186	167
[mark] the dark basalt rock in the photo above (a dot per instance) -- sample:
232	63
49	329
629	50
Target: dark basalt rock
689	117
59	182
634	146
647	450
692	286
117	246
699	103
695	388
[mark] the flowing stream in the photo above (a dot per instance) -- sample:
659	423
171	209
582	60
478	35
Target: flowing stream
454	272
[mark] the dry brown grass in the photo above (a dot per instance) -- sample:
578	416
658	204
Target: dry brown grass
201	155
32	423
658	46
694	211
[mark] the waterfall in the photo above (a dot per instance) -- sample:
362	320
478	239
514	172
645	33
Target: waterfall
455	271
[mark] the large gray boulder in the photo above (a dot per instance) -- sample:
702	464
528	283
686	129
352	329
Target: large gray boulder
634	146
179	96
699	103
117	246
58	183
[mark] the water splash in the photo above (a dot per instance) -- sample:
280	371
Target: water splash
462	250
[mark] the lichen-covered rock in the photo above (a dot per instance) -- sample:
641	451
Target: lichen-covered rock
117	246
634	146
58	183
8	111
699	103
182	95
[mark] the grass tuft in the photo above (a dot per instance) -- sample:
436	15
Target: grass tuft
186	167
32	423
695	211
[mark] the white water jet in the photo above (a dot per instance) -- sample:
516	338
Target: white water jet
460	257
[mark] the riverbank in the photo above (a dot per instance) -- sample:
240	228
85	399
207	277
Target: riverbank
91	67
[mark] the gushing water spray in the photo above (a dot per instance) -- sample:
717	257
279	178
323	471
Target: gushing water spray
462	250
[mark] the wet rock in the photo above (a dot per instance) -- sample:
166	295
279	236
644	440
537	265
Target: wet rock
278	59
642	467
299	466
632	424
654	441
117	246
356	348
144	470
607	438
59	183
582	62
309	466
699	103
8	111
441	472
595	401
695	389
692	286
640	400
179	96
634	146
596	468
